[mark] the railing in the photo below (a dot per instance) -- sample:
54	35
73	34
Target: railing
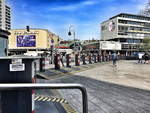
30	86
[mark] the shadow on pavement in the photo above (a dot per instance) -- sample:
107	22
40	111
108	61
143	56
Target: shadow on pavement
107	97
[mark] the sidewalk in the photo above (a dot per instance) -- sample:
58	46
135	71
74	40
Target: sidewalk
51	73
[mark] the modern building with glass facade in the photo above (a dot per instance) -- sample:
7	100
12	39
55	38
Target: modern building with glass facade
128	29
5	16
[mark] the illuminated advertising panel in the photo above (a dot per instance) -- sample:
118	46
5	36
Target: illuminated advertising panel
26	41
108	45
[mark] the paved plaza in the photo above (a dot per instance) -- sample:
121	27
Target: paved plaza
121	89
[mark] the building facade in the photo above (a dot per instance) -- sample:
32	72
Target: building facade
3	42
128	29
5	16
34	40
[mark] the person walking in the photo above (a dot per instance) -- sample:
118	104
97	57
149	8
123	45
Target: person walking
140	56
146	57
114	58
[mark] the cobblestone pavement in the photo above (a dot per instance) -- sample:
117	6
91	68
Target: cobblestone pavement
121	89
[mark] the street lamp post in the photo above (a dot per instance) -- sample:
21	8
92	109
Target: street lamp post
72	32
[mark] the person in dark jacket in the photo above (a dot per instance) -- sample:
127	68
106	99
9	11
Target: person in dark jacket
146	57
114	58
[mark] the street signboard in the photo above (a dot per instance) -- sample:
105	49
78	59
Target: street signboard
110	45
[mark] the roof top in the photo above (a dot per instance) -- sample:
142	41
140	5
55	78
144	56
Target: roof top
129	15
121	14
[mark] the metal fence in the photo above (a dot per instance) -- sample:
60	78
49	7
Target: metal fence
6	87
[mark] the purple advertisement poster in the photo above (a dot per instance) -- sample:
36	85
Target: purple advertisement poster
26	41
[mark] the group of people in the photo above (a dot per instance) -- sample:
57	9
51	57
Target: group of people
143	56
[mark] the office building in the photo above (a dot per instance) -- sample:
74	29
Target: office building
5	16
128	29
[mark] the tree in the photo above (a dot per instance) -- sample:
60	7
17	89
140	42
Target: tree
146	10
146	44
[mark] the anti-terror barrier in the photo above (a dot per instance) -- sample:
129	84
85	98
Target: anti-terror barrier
95	58
68	60
17	70
83	59
57	61
77	60
90	59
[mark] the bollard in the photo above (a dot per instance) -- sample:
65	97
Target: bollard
98	57
90	60
57	61
103	58
17	70
42	64
68	60
83	59
95	59
77	62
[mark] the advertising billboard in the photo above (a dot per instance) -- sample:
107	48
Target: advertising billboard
110	45
26	41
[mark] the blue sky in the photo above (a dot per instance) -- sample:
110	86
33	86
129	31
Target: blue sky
57	15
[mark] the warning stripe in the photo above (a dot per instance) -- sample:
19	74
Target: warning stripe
69	109
52	99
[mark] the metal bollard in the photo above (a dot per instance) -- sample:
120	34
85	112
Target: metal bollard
83	59
77	63
57	61
42	64
90	60
98	57
95	59
68	58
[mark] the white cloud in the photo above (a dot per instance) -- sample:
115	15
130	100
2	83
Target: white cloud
73	7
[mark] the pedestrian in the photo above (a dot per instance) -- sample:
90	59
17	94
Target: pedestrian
114	58
140	57
146	57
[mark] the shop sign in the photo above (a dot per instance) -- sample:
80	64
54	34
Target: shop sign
26	33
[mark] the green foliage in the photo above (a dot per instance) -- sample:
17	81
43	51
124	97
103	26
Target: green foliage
146	40
146	44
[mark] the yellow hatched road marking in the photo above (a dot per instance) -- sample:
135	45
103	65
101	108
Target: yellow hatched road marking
40	99
50	99
36	98
54	99
69	109
45	98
